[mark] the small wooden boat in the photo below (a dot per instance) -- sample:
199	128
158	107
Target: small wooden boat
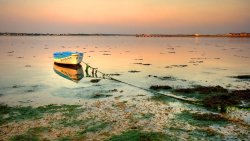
70	72
72	58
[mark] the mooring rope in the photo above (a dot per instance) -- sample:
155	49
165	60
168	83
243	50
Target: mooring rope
192	101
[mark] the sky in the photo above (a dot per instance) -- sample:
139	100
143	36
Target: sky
125	16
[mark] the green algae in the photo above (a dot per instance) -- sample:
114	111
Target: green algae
25	137
201	119
196	134
38	130
33	134
18	113
95	128
88	125
9	114
162	98
147	116
137	135
72	122
67	138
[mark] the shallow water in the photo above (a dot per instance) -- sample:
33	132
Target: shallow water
29	76
26	62
206	61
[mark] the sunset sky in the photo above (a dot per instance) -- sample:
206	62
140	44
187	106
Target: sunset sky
125	16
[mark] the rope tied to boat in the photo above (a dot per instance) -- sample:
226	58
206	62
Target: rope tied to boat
107	76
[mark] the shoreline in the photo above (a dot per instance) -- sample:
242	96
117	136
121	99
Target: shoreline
116	118
230	35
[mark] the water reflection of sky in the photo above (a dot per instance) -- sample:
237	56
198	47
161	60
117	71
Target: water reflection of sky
189	61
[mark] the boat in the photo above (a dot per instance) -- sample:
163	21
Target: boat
70	72
71	58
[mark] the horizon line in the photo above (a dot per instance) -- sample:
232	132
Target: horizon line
40	33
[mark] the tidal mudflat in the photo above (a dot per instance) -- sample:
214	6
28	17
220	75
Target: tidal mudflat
127	88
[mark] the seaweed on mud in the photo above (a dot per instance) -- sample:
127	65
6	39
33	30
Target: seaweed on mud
11	52
241	95
147	116
152	76
242	77
160	87
27	66
25	137
108	91
98	95
170	78
176	66
29	91
104	51
70	122
222	101
203	90
26	101
198	58
139	59
137	135
37	130
206	134
103	93
200	119
138	63
134	71
95	80
65	138
114	74
4	109
31	135
194	62
217	96
162	98
208	116
146	64
167	78
95	128
17	86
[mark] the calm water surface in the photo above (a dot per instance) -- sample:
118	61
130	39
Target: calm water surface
27	63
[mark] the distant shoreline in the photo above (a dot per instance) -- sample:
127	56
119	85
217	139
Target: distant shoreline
243	34
49	34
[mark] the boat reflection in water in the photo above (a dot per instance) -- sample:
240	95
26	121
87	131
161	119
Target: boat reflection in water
70	72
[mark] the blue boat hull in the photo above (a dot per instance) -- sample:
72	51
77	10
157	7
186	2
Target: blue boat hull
72	58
